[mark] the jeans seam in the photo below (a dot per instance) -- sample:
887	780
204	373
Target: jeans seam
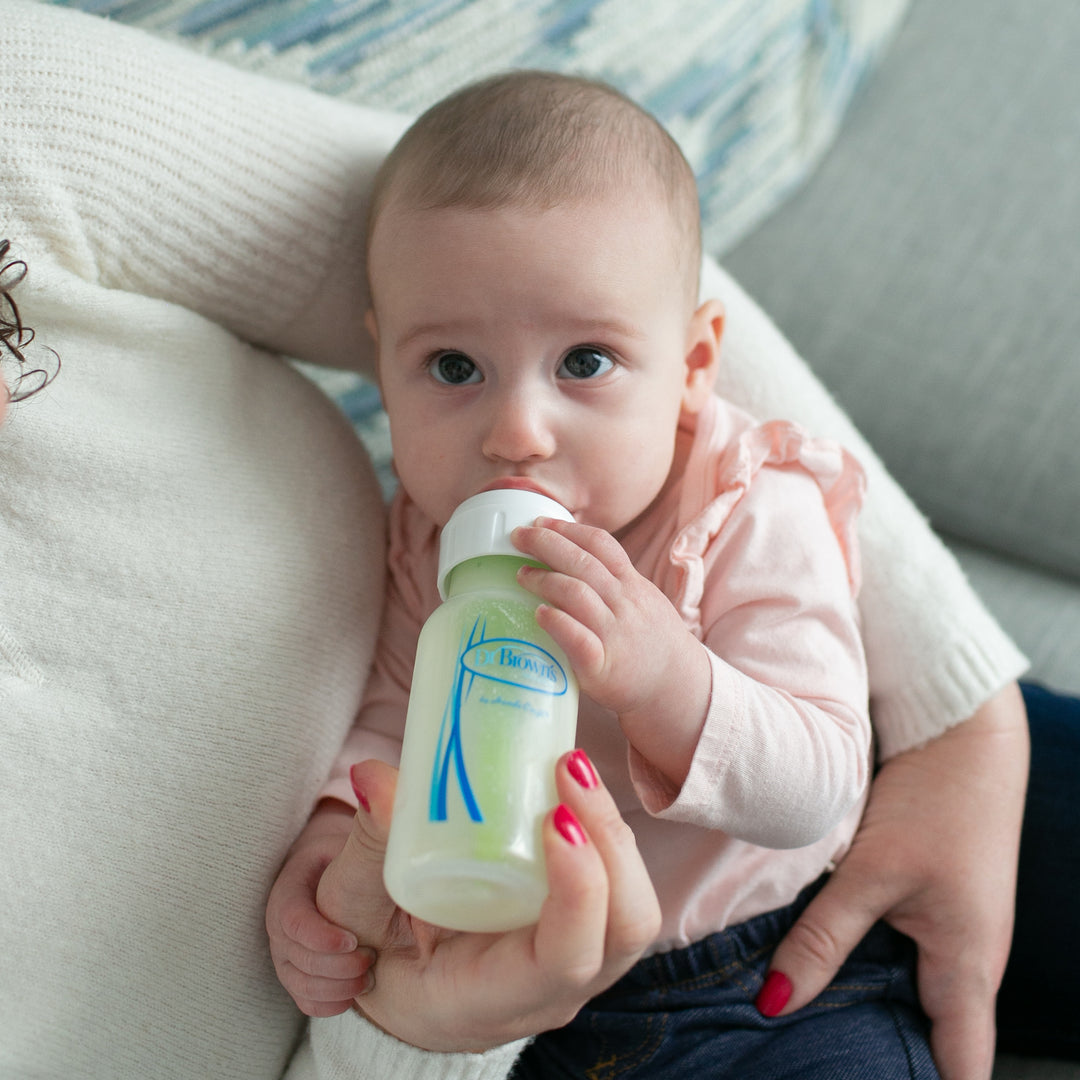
895	1016
728	971
619	1064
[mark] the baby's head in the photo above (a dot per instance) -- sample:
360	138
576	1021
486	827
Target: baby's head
535	140
533	256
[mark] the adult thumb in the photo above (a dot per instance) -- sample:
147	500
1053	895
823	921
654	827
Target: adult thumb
813	950
351	891
374	783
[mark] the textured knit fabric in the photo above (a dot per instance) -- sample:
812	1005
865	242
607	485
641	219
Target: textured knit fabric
755	547
192	546
754	90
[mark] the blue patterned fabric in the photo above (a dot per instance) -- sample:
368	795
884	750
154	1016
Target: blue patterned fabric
753	90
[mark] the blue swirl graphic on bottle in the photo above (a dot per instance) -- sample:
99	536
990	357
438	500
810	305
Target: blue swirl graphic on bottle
497	661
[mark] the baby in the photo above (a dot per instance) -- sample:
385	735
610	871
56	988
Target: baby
533	254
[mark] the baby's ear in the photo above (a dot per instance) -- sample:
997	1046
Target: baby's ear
702	354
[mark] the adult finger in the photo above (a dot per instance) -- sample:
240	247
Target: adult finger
958	993
813	950
633	913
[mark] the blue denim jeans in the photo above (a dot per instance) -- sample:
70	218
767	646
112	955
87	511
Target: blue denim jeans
690	1015
1040	998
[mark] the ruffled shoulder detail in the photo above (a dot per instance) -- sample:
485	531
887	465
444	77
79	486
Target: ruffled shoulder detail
730	451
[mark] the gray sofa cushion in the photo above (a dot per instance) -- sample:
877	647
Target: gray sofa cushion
930	271
1040	610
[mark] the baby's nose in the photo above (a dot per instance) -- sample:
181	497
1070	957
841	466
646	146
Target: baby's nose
519	430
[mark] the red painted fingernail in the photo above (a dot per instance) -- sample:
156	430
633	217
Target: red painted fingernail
774	995
581	769
358	791
569	827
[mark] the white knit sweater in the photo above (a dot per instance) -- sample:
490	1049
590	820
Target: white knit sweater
191	546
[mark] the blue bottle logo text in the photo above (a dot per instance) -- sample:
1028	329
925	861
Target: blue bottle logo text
506	661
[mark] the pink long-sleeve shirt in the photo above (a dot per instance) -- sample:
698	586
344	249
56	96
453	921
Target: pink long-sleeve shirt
756	549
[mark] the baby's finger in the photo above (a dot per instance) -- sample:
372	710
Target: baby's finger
598	543
301	923
292	917
330	966
565	555
583	647
571	595
323	997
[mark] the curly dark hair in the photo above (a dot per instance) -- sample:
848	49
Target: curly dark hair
15	337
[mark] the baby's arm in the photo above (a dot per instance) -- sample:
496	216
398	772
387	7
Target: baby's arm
766	720
934	652
629	648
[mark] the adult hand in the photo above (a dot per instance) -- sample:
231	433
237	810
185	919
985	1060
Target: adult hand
935	856
448	991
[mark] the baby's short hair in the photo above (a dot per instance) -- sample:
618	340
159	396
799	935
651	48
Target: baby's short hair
537	139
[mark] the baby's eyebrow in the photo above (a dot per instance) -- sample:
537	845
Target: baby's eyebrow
626	330
582	329
589	328
441	330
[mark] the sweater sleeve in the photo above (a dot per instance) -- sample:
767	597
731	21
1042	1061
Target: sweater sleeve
175	176
935	654
347	1047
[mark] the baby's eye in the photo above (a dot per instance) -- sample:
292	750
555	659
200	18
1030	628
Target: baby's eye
585	362
454	369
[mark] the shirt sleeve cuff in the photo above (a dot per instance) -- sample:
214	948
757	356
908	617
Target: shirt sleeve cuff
663	799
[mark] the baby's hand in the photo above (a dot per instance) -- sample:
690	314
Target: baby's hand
318	963
627	644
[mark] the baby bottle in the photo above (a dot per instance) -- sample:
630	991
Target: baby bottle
493	706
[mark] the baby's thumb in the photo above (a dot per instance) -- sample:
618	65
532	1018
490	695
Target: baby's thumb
813	950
